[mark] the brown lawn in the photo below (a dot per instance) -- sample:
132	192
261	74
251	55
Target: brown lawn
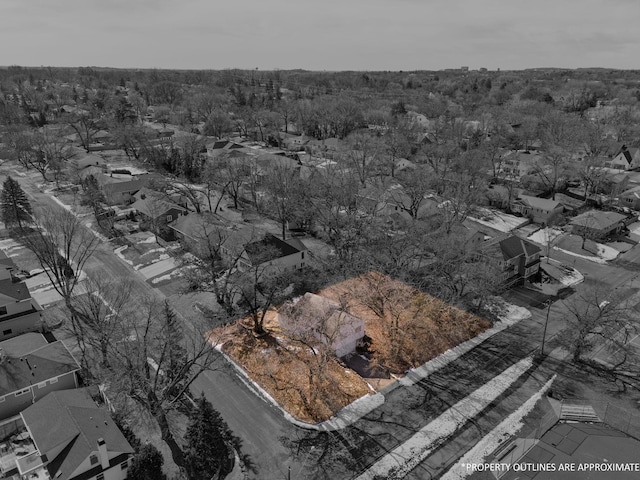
310	387
406	327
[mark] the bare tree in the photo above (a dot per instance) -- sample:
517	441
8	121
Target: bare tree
283	184
84	125
363	154
598	316
416	183
155	366
51	153
101	310
62	246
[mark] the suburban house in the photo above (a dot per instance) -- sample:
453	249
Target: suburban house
156	208
324	320
624	159
518	258
219	147
247	247
597	224
30	368
516	165
88	160
74	439
197	230
539	210
19	313
118	191
630	198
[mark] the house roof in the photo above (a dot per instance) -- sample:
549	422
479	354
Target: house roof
28	359
124	186
542	203
510	247
154	206
88	159
632	192
314	312
94	170
515	246
271	247
6	260
71	418
15	290
195	224
597	219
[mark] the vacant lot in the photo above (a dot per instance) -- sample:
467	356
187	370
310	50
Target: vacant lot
404	328
310	387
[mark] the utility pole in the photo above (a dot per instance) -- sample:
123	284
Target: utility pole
546	322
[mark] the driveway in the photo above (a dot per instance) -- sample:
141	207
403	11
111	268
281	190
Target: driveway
158	268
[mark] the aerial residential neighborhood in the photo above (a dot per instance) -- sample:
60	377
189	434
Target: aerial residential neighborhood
278	274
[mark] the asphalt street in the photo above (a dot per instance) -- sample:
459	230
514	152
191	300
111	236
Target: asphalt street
265	434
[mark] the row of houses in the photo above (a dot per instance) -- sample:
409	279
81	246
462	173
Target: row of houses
49	426
241	247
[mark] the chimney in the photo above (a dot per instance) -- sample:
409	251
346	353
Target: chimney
102	452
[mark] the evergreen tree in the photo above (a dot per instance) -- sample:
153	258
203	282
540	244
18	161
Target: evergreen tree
92	195
16	208
147	464
208	438
175	351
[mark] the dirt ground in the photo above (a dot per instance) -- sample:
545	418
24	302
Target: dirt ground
309	387
313	388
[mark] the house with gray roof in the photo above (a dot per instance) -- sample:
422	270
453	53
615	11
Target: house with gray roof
518	259
539	210
598	224
74	439
30	368
19	312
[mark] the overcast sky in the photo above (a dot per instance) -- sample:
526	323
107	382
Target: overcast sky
321	35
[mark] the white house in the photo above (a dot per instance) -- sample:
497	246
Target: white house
324	320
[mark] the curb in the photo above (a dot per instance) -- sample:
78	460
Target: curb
366	404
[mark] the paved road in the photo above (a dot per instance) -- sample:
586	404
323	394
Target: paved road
259	425
270	441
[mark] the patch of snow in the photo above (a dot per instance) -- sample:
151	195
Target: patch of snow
169	276
404	458
564	274
63	205
153	250
96	233
599	260
118	251
606	252
151	239
507	312
158	268
499	220
496	437
545	236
